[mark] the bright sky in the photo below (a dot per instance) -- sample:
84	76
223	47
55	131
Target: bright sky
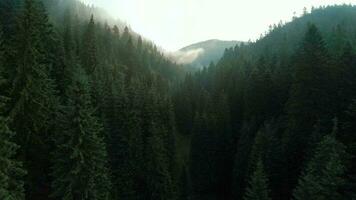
173	24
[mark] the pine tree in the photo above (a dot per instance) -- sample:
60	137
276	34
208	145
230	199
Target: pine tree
89	54
127	145
70	57
203	158
324	174
350	142
345	79
309	99
159	180
241	162
80	159
257	152
33	101
11	171
126	35
130	60
116	31
258	185
2	51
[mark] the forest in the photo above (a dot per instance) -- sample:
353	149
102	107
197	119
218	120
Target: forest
91	110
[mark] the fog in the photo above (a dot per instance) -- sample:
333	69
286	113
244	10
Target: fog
173	24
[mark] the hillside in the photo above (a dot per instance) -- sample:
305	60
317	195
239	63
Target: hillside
270	109
89	101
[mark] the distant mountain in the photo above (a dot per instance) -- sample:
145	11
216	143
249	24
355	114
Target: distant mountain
202	53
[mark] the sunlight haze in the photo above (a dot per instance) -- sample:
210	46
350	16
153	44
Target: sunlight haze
173	24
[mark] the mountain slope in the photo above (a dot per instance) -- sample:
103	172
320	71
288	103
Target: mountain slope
276	99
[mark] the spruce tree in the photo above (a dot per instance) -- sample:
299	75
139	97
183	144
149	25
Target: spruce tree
80	159
126	145
2	51
89	53
309	99
258	185
126	35
324	174
159	180
33	101
203	158
258	151
349	140
11	171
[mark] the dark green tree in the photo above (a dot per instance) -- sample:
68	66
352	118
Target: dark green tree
80	159
126	35
309	99
89	53
349	140
324	174
158	177
258	185
33	101
11	170
203	159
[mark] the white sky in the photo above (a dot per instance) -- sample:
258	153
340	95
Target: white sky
173	24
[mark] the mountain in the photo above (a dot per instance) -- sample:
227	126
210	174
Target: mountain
202	53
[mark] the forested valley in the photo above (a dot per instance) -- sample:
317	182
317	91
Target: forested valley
91	110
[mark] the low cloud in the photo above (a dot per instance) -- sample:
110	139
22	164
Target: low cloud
186	57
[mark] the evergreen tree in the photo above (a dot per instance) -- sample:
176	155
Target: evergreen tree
89	53
203	159
11	171
159	180
33	101
128	145
126	35
2	51
241	162
258	185
257	151
345	79
309	99
11	184
80	158
350	142
324	174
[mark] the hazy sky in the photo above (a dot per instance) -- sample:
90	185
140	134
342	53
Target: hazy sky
173	24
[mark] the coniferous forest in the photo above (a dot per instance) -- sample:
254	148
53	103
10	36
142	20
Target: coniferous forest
91	110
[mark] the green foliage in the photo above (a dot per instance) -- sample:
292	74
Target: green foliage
159	180
11	171
89	57
309	98
80	158
258	189
11	184
109	106
290	83
33	102
324	175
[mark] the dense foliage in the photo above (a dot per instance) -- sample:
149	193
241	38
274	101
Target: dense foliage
89	104
90	110
279	97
